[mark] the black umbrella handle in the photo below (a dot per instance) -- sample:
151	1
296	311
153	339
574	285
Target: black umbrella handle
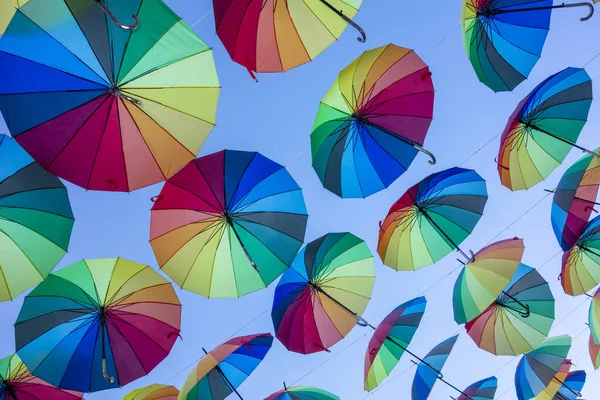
363	35
114	18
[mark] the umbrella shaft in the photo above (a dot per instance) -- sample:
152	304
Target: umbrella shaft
230	222
436	226
586	201
349	311
576	393
220	371
525	312
561	139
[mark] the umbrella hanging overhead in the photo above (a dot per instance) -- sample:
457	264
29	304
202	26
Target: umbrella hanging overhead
581	264
111	108
153	392
228	224
372	122
543	129
504	38
98	324
35	221
302	393
594	317
519	319
276	36
484	389
222	370
17	383
320	298
7	10
432	219
594	350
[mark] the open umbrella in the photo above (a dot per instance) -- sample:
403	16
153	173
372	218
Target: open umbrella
153	392
7	10
320	298
276	36
372	122
302	393
35	220
594	317
504	38
543	129
432	219
222	370
112	107
573	386
228	224
17	383
97	324
552	388
594	350
484	389
519	319
581	264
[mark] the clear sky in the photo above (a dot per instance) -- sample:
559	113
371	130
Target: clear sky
275	117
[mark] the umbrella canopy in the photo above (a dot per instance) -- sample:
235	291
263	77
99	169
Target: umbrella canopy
98	324
302	393
222	370
390	340
320	298
594	317
35	220
574	199
543	129
519	319
372	122
430	370
571	390
7	10
537	368
552	388
482	280
228	224
484	389
109	109
17	383
153	392
594	350
581	264
432	219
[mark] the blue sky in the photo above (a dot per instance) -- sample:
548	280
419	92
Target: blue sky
275	117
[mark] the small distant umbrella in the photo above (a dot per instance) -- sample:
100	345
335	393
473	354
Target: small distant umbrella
222	370
7	10
302	393
573	386
581	264
153	392
484	389
594	350
432	219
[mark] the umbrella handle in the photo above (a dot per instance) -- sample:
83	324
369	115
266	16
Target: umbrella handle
113	17
360	321
154	199
500	165
108	378
590	6
340	13
430	154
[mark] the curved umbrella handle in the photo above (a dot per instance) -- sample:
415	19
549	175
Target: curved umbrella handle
112	16
340	13
155	199
590	6
108	378
360	321
500	165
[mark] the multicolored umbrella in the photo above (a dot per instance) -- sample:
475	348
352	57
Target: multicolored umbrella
581	264
552	388
222	370
432	219
35	221
574	199
519	319
111	107
98	324
228	224
302	393
573	386
484	389
594	317
483	279
276	36
153	392
320	298
594	350
17	383
390	341
7	10
372	122
543	129
538	368
504	38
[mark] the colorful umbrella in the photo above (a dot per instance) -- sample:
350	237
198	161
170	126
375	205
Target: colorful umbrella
594	350
552	388
35	221
390	341
109	109
519	319
538	368
544	128
17	383
594	317
573	386
302	393
321	297
222	370
431	219
581	264
484	278
372	122
504	38
484	389
574	199
228	224
7	10
276	36
153	392
98	324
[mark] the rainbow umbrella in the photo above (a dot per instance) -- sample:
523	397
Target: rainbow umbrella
594	317
372	122
484	389
228	224
573	386
538	367
7	10
106	106
35	221
519	319
320	298
153	392
432	219
222	370
484	278
543	129
574	199
581	264
17	383
390	341
302	393
97	324
594	350
275	36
